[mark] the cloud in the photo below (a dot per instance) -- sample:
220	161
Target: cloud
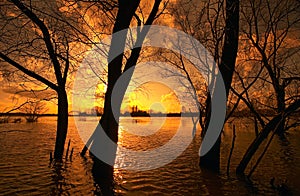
33	94
171	102
169	97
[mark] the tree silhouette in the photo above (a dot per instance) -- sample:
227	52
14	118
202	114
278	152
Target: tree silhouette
269	28
109	121
211	160
38	46
33	109
218	30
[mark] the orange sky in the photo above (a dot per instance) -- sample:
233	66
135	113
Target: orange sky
150	96
153	96
147	96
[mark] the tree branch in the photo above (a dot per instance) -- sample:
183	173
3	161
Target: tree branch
46	37
28	72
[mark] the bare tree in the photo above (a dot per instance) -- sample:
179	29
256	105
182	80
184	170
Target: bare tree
270	28
33	109
127	14
36	47
216	27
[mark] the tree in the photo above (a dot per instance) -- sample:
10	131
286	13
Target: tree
270	28
216	28
268	128
36	46
33	109
211	160
109	121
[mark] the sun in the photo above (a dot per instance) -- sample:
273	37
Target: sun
152	97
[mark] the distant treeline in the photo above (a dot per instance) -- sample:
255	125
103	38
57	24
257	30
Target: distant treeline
24	114
242	113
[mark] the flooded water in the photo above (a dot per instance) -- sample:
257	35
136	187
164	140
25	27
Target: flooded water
25	168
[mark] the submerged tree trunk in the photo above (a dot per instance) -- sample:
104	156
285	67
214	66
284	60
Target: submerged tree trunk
109	121
263	135
280	108
62	123
50	49
102	171
211	160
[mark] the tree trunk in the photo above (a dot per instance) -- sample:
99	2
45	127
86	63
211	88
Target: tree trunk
280	108
263	135
109	121
211	160
62	123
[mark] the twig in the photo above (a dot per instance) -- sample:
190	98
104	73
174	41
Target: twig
67	153
71	155
231	150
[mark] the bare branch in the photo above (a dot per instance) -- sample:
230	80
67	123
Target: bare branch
28	72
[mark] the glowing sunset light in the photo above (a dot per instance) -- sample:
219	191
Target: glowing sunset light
152	97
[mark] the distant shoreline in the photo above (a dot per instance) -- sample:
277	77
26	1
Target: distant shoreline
87	115
236	114
24	114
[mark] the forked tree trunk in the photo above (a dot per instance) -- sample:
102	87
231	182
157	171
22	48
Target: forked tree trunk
109	121
211	160
62	123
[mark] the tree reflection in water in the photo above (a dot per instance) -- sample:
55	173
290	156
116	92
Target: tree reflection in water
58	177
103	177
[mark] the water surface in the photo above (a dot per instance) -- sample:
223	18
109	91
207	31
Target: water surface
25	169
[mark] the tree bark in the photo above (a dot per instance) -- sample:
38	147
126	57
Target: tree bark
62	123
211	160
280	95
